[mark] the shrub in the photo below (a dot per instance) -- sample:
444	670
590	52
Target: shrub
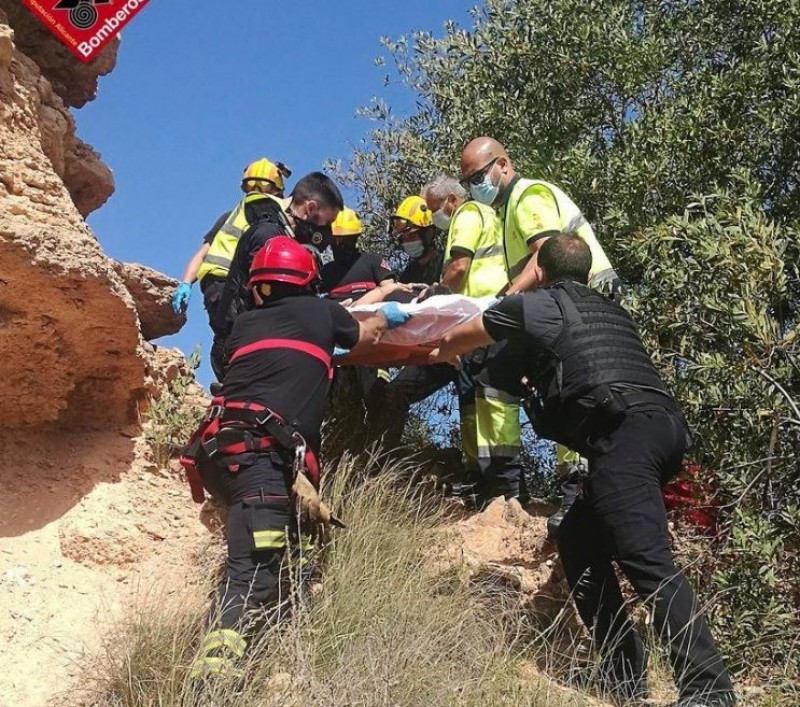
170	418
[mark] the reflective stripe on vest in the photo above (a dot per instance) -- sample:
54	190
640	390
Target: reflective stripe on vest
311	349
220	253
517	250
498	427
487	273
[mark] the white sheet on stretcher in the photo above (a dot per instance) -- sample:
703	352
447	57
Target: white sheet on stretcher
430	319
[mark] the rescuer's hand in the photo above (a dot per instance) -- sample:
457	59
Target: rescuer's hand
437	356
437	288
395	316
181	297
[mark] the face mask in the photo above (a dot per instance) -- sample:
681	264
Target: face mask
441	220
309	233
485	192
415	249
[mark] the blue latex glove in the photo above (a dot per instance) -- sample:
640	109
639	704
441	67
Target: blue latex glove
339	351
180	300
394	315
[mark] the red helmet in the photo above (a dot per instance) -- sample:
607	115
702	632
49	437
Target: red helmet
283	259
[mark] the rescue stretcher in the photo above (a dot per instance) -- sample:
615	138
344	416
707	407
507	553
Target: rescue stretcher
412	342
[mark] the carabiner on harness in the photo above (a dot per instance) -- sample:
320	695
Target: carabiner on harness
299	466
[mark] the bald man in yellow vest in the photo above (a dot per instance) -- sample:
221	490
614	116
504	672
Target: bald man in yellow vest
531	211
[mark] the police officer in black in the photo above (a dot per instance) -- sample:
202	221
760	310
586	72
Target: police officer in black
596	390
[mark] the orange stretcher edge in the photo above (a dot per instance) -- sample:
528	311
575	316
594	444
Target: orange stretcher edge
381	354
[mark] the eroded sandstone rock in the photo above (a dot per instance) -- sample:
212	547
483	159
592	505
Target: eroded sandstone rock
73	80
505	549
71	351
46	80
152	293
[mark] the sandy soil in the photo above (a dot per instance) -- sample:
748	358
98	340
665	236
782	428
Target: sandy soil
85	525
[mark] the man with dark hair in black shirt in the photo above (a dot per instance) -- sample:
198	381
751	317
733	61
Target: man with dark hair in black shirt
261	437
312	206
596	391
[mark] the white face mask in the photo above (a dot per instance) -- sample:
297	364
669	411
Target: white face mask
485	192
415	249
441	220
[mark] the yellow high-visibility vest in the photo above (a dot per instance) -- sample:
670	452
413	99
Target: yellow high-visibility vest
220	254
487	272
517	251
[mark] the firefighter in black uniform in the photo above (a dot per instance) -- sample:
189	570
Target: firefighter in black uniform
260	438
313	204
596	390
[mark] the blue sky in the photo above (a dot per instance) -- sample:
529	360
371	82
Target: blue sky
201	89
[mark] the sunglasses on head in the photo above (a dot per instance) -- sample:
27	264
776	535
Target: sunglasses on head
477	176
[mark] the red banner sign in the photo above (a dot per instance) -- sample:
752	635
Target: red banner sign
85	26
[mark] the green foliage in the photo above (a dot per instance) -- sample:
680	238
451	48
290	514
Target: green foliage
675	126
712	302
631	107
169	419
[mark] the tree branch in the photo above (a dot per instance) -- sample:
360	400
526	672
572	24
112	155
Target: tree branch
782	390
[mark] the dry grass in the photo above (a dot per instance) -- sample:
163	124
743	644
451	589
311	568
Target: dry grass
384	628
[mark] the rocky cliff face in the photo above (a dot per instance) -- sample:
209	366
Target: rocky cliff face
73	322
84	509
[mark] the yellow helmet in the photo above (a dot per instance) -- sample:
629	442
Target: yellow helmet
414	210
347	223
262	170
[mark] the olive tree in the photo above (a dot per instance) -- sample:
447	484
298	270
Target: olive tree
675	126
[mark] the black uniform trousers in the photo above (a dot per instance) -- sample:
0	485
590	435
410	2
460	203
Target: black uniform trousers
212	287
260	518
620	516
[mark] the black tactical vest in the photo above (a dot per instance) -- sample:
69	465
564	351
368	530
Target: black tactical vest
594	370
